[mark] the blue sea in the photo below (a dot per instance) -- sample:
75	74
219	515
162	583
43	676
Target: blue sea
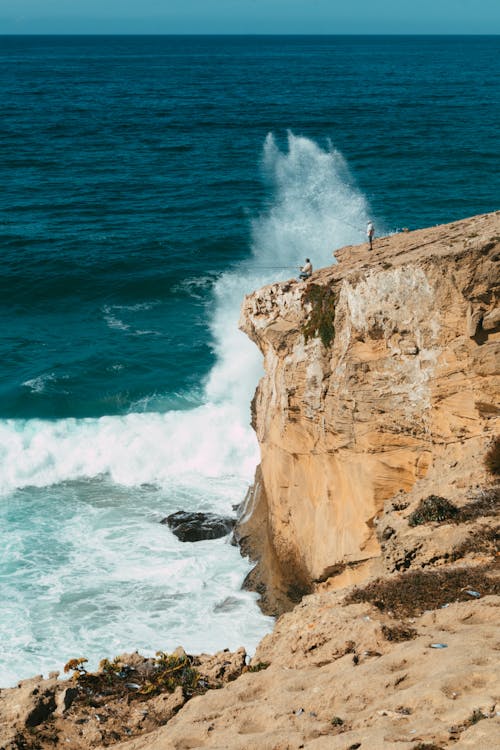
147	185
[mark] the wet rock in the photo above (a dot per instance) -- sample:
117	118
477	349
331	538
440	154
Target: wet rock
229	604
193	527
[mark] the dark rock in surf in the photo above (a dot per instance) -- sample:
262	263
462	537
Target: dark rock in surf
193	527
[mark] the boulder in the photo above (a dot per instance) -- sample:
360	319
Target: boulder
193	527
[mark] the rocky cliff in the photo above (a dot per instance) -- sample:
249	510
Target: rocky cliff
381	372
378	420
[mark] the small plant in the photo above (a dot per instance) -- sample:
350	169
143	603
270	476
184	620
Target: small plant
321	318
432	508
337	721
76	666
492	457
170	671
398	633
426	746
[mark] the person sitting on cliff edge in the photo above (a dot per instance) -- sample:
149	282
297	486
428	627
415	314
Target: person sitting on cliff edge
306	270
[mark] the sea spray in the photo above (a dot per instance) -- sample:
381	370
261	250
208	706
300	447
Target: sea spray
315	209
87	568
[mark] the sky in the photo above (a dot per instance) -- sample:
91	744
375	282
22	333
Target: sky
249	17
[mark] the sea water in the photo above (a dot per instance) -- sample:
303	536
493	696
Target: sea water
148	184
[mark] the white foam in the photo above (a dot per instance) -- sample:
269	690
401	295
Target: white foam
137	306
39	384
112	320
45	382
97	596
209	441
195	287
315	208
98	575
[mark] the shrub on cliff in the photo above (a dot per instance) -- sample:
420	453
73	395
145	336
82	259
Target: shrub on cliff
164	673
409	594
320	321
432	508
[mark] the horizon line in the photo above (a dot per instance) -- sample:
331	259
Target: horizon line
241	34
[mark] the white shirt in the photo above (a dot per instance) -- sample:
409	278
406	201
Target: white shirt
307	268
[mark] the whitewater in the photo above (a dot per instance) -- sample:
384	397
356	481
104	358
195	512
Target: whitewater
86	567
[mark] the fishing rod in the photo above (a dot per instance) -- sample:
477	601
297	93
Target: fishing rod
358	229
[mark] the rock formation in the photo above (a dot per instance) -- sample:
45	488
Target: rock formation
194	527
405	392
378	420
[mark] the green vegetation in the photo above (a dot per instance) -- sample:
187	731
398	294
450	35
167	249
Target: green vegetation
432	508
163	674
320	321
170	671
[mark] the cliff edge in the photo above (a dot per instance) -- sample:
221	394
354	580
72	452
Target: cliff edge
378	421
381	376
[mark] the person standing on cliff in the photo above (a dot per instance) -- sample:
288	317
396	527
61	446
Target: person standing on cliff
370	233
306	270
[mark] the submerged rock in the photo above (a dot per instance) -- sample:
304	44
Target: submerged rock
193	527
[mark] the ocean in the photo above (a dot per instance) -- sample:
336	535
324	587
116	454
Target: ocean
148	184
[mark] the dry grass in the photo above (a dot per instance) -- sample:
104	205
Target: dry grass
398	633
483	541
411	593
433	508
487	503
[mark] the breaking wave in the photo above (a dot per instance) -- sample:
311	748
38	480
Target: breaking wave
315	209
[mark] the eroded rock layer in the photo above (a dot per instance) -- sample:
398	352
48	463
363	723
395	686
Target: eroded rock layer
378	419
406	389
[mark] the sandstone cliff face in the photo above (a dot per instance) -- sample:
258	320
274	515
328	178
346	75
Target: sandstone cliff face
398	408
405	396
